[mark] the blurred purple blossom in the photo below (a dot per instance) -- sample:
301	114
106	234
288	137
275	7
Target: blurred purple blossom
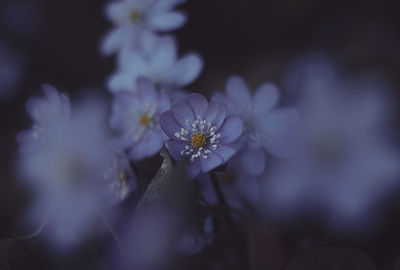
134	20
344	161
201	132
265	127
69	172
136	117
160	64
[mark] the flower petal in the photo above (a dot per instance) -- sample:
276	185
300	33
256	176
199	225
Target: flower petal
167	21
182	112
121	81
265	99
147	147
147	91
186	70
169	124
199	104
113	41
175	148
253	160
278	121
164	56
211	162
231	130
164	103
225	152
216	113
238	92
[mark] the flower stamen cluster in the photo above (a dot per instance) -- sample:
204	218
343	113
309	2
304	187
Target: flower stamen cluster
201	137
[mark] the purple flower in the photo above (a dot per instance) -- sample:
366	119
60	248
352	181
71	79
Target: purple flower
70	172
49	114
201	132
160	64
265	128
136	117
344	162
135	18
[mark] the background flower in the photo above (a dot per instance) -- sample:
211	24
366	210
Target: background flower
133	19
160	64
266	128
136	117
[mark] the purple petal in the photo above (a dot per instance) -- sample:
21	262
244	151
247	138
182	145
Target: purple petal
167	21
265	99
238	92
175	148
186	70
279	121
164	103
146	90
211	162
147	147
193	169
216	113
169	124
164	55
225	152
183	111
231	129
253	160
199	104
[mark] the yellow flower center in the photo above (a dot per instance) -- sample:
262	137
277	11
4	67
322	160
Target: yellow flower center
198	139
144	120
135	16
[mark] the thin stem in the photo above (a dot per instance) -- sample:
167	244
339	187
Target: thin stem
218	190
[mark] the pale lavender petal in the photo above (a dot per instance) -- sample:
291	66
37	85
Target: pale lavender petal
238	92
167	21
265	99
186	70
147	147
147	91
231	130
278	121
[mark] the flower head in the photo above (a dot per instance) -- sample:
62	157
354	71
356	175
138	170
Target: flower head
344	163
201	132
49	114
136	117
134	19
160	64
265	126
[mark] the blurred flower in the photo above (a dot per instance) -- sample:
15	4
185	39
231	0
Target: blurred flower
265	127
48	115
160	64
119	175
239	188
344	162
68	170
11	70
134	18
201	132
136	117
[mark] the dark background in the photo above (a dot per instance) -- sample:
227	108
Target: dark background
254	38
